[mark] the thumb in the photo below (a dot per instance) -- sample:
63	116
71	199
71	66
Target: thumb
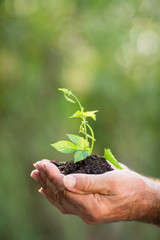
87	183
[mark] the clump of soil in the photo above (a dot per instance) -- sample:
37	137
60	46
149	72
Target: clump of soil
93	164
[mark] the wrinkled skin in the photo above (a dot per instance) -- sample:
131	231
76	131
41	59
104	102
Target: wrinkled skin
118	195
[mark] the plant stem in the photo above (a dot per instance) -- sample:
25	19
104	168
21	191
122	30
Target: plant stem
85	127
83	118
92	133
85	123
77	101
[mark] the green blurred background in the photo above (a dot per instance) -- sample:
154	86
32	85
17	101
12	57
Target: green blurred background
107	53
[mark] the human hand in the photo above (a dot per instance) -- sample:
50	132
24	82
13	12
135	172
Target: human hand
113	196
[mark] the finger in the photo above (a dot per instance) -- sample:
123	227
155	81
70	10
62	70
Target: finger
90	183
52	178
50	175
34	174
65	207
42	180
50	171
42	191
39	162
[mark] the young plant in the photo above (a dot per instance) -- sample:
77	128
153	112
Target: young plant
81	145
77	144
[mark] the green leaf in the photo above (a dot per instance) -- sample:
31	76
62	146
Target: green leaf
63	90
67	93
80	142
80	155
64	146
77	114
91	114
69	99
110	157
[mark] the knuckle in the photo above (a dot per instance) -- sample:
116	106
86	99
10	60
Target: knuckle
88	184
63	211
44	179
43	166
89	222
45	160
46	183
96	215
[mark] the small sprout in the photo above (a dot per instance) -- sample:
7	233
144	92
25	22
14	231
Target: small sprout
81	145
67	93
63	90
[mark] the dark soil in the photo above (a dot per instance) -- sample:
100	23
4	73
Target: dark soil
93	164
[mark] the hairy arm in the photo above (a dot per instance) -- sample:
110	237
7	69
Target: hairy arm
120	195
152	201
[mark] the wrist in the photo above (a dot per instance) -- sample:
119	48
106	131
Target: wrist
151	202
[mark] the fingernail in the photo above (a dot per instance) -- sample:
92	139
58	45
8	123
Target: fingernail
69	181
37	164
41	192
34	176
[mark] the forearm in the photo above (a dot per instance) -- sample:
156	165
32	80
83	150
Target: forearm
151	201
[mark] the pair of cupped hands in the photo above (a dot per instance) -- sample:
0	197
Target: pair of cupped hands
113	196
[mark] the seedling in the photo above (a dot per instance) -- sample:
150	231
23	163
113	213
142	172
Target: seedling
78	144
